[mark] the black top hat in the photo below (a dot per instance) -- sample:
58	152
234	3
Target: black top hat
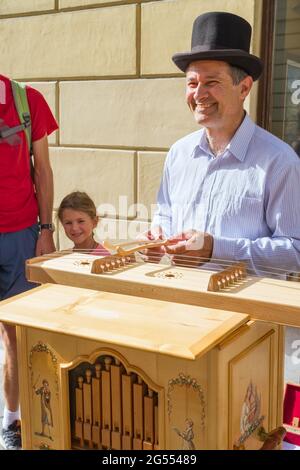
221	36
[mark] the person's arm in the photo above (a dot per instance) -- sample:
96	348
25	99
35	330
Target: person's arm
279	252
43	180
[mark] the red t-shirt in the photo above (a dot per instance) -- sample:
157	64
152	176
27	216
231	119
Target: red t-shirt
18	203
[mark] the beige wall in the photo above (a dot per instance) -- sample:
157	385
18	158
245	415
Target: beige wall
105	69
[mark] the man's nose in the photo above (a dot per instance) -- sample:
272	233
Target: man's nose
200	92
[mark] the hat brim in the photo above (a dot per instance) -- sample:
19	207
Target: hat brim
238	58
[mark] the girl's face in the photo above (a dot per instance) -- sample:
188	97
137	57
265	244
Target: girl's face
79	227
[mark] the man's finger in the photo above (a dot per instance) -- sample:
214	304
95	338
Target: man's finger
196	242
180	247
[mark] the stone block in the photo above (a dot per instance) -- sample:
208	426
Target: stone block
108	176
95	42
150	169
130	113
48	90
84	3
11	7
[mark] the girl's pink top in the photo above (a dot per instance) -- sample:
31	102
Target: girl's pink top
99	251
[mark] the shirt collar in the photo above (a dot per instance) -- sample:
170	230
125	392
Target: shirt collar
239	143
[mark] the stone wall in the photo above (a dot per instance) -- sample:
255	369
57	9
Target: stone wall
105	68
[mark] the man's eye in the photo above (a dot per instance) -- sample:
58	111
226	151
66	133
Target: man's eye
211	83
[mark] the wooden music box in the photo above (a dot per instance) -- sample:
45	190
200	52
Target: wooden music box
109	371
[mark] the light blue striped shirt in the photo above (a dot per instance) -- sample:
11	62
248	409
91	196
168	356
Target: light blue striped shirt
248	198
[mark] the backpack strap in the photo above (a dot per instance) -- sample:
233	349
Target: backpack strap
22	106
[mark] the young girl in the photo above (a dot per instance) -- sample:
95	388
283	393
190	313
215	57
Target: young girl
77	213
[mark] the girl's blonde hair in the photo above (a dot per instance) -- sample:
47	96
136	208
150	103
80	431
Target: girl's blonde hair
78	201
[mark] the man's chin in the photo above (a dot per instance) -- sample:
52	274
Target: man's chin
202	120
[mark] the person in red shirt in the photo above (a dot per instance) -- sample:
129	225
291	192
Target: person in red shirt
25	198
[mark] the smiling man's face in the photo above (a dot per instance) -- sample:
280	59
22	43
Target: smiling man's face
211	94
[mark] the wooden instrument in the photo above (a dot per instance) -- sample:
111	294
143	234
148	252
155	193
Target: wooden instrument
265	299
150	356
126	372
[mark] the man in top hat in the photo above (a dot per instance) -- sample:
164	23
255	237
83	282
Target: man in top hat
231	190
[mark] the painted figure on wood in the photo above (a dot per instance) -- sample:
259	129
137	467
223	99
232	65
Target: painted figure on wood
251	418
187	435
46	412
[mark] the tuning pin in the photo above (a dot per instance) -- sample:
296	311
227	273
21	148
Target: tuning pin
243	273
113	264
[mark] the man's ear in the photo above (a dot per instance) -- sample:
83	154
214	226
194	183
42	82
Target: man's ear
245	87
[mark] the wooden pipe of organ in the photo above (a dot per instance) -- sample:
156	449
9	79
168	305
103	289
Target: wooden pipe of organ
116	397
96	396
106	404
127	411
103	421
156	440
79	411
138	414
148	421
87	408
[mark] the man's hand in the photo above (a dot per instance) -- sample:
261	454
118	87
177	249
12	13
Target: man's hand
153	255
191	248
45	243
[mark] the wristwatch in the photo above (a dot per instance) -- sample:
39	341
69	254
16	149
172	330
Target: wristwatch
50	227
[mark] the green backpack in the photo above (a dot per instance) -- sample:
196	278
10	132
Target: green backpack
22	106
